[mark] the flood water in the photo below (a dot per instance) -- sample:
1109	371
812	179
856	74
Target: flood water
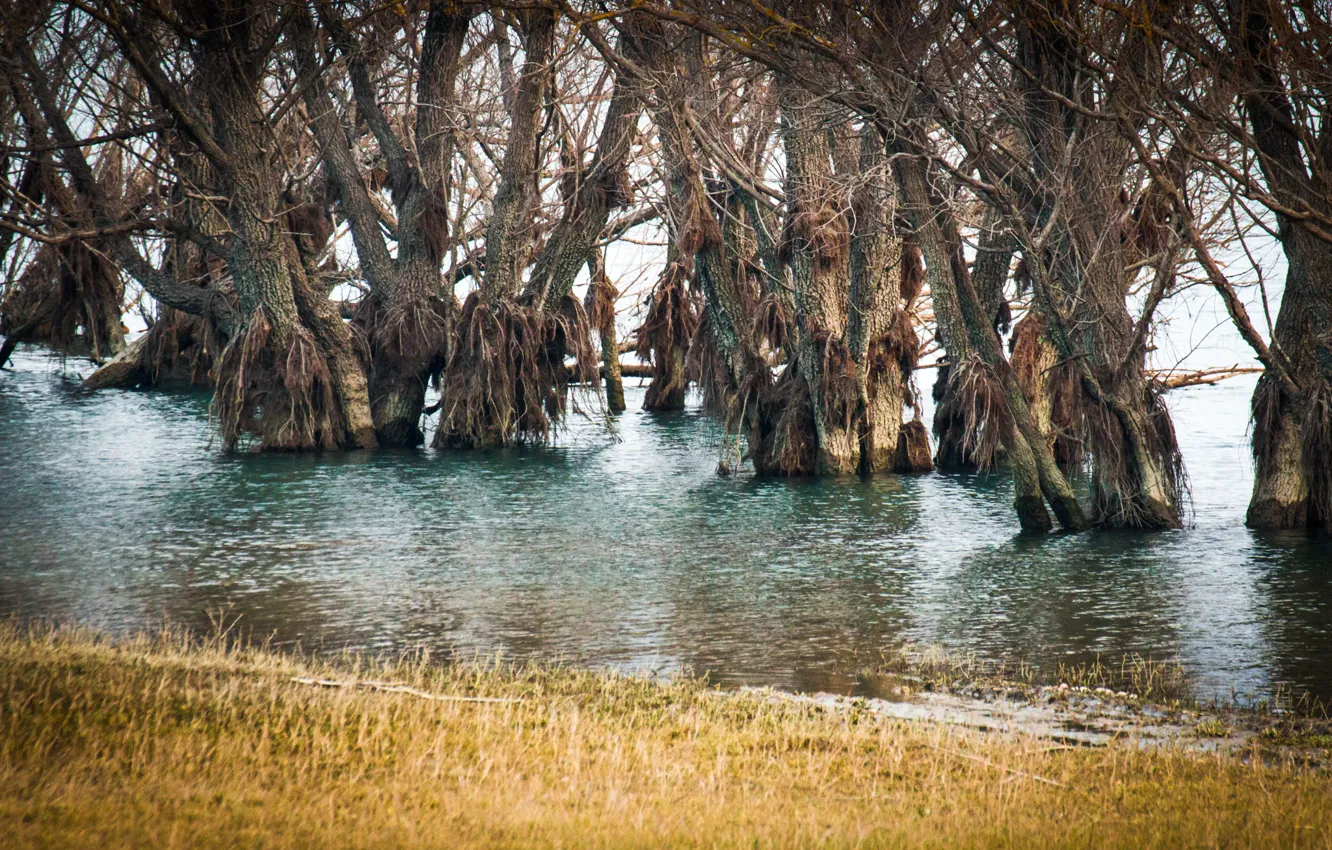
117	511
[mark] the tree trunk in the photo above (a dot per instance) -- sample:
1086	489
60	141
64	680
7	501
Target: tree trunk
823	370
880	336
996	393
600	307
958	410
1292	436
1292	419
506	381
663	338
290	377
1082	274
1051	389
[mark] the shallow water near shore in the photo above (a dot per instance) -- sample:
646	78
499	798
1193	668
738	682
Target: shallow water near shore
117	510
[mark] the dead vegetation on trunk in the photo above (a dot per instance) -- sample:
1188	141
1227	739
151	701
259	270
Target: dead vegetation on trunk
69	298
277	390
1052	390
663	339
507	382
822	210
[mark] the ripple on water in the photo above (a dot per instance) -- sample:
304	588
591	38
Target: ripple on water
118	509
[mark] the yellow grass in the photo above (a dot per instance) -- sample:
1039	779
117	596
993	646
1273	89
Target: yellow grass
163	743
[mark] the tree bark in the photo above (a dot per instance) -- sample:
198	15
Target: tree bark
601	295
1081	276
407	319
1036	476
819	242
1292	419
290	377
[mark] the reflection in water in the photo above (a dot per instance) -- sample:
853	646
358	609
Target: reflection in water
115	510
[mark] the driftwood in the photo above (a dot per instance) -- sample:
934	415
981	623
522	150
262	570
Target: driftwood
627	370
1173	380
397	688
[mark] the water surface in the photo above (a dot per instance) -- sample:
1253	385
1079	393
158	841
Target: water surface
117	510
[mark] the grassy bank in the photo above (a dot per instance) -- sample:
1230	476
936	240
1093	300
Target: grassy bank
166	743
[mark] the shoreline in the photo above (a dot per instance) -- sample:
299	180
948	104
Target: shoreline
173	741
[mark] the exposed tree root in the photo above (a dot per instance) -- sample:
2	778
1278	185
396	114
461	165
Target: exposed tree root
849	419
968	417
773	324
413	334
506	381
277	390
782	432
664	339
705	368
179	349
804	427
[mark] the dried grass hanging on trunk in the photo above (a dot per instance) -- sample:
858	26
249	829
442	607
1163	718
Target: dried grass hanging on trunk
507	381
665	336
277	391
69	297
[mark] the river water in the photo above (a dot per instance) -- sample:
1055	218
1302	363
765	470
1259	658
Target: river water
116	510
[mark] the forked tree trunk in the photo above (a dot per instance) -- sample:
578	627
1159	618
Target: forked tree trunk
997	394
723	354
837	408
407	318
290	377
506	381
958	408
819	242
1081	276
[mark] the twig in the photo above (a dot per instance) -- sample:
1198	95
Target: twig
389	687
989	763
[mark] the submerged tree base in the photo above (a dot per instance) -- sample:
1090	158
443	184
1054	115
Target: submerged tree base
165	741
506	381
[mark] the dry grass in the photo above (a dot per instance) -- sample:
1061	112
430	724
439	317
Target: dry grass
164	742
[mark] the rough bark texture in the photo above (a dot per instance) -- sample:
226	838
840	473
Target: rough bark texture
291	377
818	242
1081	277
1292	430
506	381
880	336
962	413
998	401
407	320
1051	389
600	306
723	356
850	350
